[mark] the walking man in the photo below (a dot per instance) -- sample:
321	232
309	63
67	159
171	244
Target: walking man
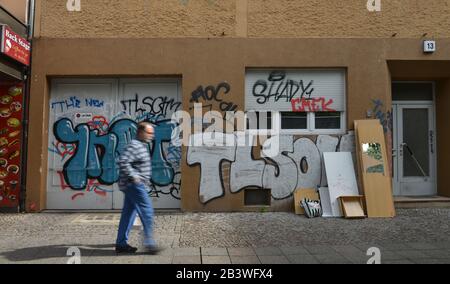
135	172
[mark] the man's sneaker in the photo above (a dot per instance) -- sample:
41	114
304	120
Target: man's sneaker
125	249
153	249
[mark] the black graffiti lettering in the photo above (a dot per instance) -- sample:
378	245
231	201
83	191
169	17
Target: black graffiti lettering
288	91
281	88
305	89
130	102
212	93
224	86
227	106
197	94
150	105
259	88
277	76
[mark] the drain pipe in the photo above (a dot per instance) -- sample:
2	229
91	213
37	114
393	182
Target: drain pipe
26	103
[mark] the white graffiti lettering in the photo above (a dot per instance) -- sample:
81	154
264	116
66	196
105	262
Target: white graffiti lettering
299	163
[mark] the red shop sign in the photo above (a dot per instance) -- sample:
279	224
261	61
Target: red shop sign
15	46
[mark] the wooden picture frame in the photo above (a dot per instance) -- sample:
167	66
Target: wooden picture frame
352	206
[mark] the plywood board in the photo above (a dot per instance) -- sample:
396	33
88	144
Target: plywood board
377	184
325	202
352	206
341	178
301	194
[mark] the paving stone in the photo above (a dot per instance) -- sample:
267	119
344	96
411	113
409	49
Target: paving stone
427	261
157	259
302	259
241	252
97	260
214	259
129	259
442	245
185	259
214	251
319	249
348	249
412	254
268	251
294	250
422	246
394	246
273	259
390	255
365	247
357	259
244	259
187	252
400	261
437	254
331	259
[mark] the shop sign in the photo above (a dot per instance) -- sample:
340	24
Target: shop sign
15	46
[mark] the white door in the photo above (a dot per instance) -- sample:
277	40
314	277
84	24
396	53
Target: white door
91	120
414	149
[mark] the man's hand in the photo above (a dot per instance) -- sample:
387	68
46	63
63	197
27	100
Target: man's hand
136	180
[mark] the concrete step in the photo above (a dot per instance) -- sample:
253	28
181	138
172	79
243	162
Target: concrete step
421	202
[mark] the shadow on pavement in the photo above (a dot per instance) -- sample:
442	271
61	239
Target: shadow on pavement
57	251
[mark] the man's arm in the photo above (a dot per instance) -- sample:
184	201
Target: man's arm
125	161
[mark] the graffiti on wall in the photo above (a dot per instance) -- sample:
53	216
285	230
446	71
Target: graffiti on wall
299	164
149	108
296	90
385	117
88	144
211	94
76	103
206	96
278	87
386	120
311	105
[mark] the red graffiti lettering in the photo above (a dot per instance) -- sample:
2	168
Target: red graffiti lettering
77	195
62	181
100	192
93	185
311	105
100	123
65	150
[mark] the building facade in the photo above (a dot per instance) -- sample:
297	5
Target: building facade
99	67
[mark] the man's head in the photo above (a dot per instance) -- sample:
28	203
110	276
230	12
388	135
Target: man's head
145	132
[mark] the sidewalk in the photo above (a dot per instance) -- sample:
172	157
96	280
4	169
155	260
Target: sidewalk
414	236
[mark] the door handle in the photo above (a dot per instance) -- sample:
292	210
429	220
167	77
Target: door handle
394	152
432	141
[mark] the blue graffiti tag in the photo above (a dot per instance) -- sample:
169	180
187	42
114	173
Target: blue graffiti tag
96	155
94	103
75	102
72	102
162	171
385	118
